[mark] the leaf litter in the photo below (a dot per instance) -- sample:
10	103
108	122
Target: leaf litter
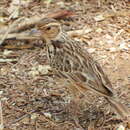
33	98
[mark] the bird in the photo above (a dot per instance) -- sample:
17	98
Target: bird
71	62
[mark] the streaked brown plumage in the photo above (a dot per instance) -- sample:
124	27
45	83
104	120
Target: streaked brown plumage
71	62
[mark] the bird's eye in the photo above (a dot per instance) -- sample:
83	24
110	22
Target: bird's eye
48	28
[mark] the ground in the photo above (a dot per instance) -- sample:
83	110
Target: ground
34	99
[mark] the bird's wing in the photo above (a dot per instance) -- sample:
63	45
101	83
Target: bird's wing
87	81
82	68
74	63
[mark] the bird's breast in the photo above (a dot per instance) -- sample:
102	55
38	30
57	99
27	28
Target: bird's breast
66	60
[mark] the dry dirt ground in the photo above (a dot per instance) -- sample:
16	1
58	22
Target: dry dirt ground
34	99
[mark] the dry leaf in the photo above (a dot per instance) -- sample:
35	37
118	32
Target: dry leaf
112	49
123	46
79	32
99	18
7	52
14	9
91	50
99	30
121	127
47	114
34	116
40	69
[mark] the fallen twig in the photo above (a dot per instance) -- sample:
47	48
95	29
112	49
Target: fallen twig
28	23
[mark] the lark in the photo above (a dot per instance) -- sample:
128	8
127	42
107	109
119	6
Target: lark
72	63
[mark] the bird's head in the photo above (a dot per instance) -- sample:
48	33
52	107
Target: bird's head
50	29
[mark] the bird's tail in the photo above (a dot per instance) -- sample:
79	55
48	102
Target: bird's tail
121	109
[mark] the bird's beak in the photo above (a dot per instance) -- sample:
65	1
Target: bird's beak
31	34
35	33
